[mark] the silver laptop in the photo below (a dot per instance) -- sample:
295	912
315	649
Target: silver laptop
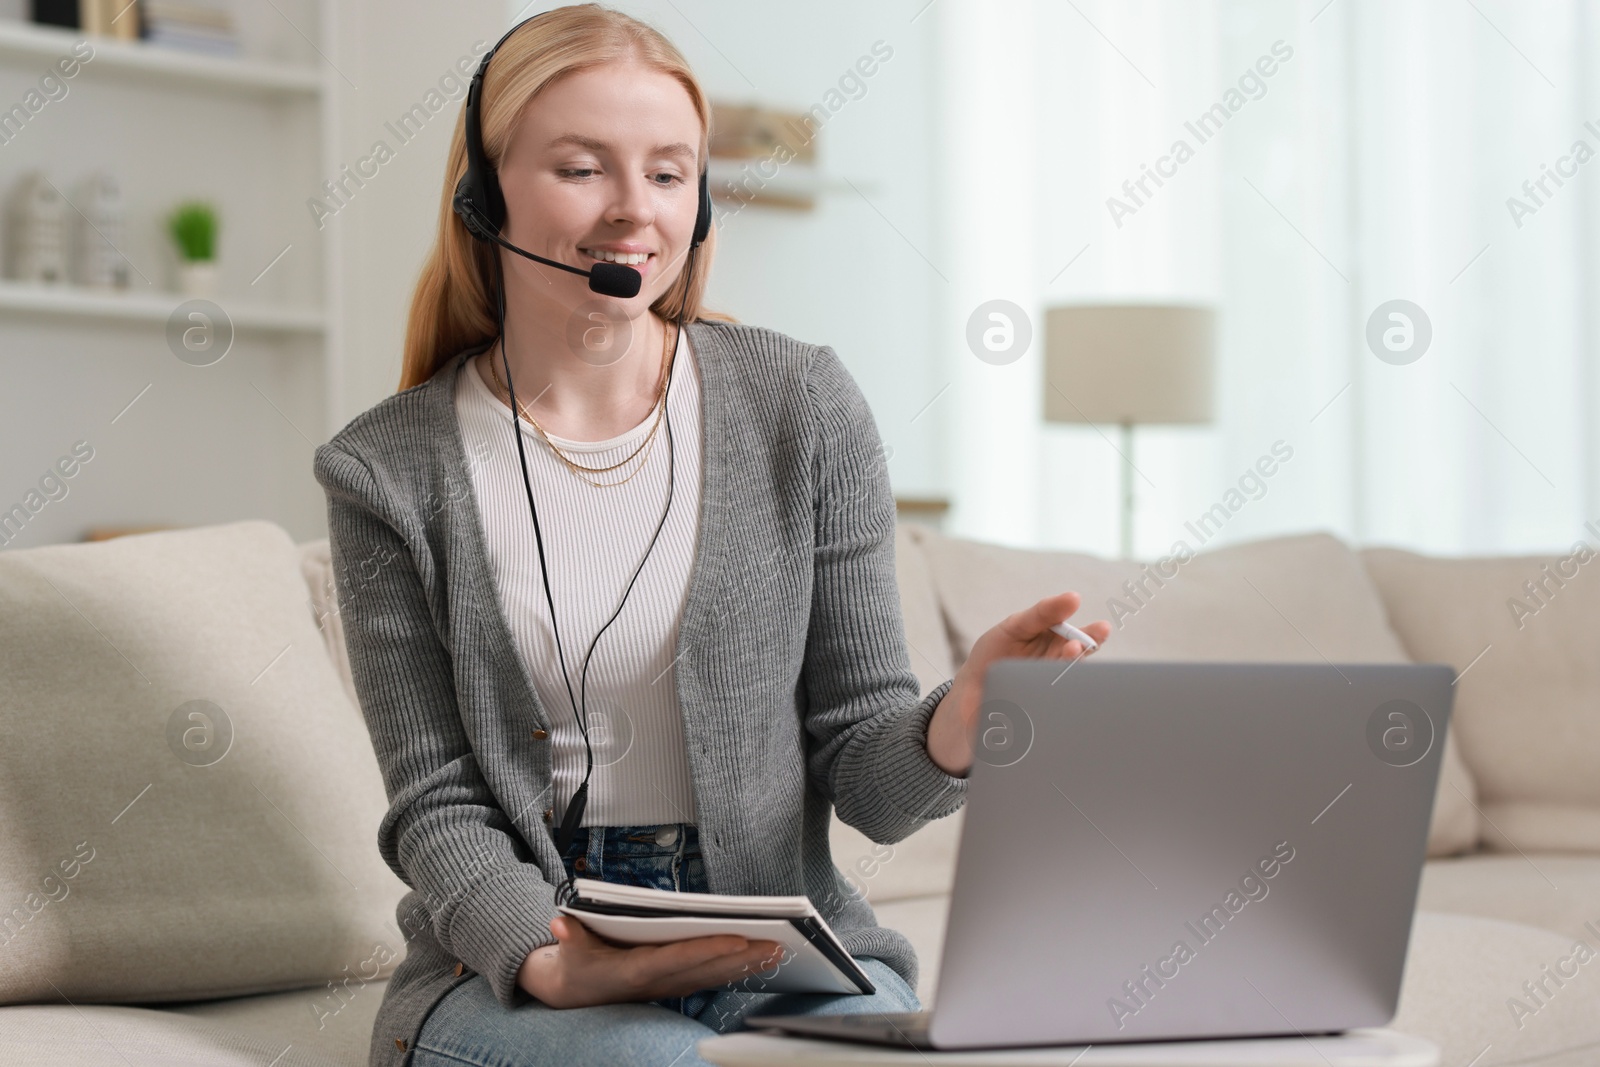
1164	851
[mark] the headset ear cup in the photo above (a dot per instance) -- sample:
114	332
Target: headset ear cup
702	219
467	208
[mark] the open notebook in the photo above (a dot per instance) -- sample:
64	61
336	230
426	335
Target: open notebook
814	960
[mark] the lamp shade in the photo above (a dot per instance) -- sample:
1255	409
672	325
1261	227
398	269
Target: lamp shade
1129	363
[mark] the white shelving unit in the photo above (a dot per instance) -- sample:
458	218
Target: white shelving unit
133	59
799	182
71	303
213	79
254	135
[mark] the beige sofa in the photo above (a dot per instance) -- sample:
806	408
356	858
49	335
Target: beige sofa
187	860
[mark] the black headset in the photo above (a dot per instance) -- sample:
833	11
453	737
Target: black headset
481	205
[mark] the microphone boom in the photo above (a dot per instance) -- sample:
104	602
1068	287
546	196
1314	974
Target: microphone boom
607	279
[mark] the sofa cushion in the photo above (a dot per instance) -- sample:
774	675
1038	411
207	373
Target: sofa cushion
332	1025
316	567
1463	990
190	801
918	866
259	1031
1559	892
1523	631
1289	598
922	920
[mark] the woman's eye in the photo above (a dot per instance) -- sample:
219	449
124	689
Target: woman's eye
585	172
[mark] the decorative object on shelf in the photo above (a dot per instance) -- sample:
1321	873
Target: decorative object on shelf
192	25
193	226
748	131
1129	364
118	19
56	13
37	250
766	157
97	228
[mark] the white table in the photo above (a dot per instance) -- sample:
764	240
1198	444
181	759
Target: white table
1357	1048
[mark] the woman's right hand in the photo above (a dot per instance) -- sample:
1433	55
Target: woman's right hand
583	970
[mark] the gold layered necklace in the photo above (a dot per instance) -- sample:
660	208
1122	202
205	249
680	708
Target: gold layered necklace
642	450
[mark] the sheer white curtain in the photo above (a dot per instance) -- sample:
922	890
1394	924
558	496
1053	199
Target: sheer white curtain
1373	163
1486	443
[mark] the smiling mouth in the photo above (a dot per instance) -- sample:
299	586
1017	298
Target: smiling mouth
626	259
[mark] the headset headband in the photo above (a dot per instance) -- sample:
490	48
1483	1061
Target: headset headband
479	200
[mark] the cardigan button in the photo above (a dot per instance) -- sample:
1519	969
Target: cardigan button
400	1043
549	814
459	968
540	735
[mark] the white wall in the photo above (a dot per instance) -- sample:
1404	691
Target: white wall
394	53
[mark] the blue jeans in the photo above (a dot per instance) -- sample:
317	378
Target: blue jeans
469	1026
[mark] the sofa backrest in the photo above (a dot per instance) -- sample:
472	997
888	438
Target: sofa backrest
1523	633
1304	597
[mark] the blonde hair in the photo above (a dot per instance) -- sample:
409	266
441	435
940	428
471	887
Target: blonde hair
452	305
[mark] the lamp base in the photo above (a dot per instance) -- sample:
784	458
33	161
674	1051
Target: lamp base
1127	490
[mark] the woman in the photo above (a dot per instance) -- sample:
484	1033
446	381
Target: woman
656	637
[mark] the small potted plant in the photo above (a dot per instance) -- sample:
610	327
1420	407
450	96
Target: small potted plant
193	226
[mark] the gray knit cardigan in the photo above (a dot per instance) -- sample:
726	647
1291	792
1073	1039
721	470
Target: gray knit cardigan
792	673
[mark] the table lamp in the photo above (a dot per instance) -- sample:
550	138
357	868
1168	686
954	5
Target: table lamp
1131	364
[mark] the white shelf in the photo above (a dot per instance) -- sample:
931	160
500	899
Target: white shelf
159	63
799	183
67	302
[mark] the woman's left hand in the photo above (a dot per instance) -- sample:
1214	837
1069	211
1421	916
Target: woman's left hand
1026	634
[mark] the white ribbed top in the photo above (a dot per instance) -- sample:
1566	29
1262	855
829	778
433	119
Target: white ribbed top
594	539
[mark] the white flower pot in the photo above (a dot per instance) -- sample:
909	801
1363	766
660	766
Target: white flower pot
198	278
